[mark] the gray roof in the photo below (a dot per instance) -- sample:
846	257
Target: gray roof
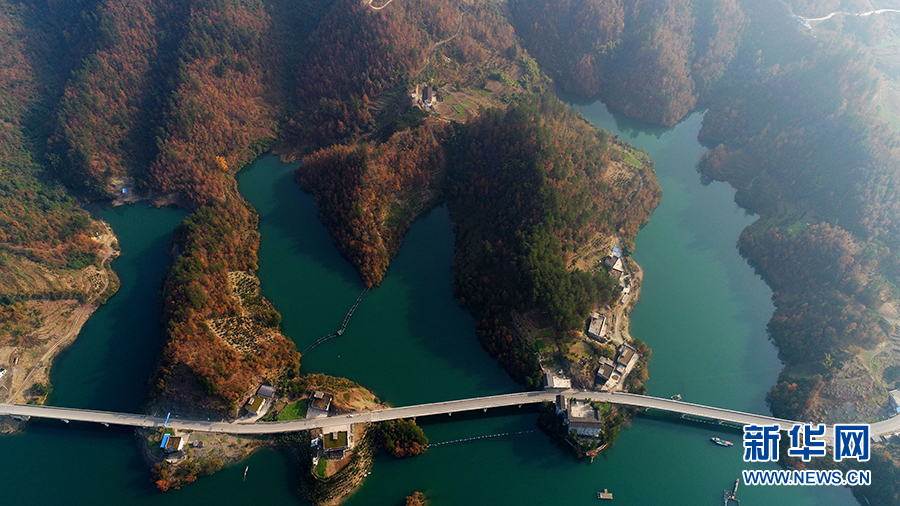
584	423
266	391
605	371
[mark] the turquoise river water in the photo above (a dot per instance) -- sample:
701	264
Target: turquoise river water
702	310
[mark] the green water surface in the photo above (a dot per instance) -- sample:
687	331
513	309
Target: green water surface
702	310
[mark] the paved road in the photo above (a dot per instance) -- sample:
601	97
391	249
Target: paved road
883	428
438	408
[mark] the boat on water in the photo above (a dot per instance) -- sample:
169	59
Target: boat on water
731	497
245	472
676	397
721	442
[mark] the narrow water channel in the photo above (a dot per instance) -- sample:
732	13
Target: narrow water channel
702	310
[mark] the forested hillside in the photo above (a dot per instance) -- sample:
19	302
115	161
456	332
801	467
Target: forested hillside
104	132
173	95
217	239
38	218
650	59
368	195
527	184
795	128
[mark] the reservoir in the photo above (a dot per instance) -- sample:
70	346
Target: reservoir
702	310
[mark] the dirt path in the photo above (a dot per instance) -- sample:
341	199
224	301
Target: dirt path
74	327
427	60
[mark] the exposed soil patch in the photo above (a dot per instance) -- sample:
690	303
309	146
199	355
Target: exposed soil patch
28	354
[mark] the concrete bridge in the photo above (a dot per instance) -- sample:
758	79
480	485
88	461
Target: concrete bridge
437	408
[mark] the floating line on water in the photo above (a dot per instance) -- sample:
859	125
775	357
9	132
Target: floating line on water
477	438
343	324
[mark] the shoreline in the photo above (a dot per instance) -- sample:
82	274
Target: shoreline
62	319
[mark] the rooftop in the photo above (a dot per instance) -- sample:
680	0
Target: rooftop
174	443
553	381
895	396
321	400
605	371
596	326
625	353
266	391
335	440
582	410
256	403
585	424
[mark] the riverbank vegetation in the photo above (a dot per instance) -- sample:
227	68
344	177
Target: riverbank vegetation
403	438
416	499
368	195
525	185
213	241
39	220
169	99
819	167
650	60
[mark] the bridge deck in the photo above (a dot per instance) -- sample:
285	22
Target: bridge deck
437	408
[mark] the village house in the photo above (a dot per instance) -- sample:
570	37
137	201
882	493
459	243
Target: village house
597	327
428	95
553	381
615	265
583	419
606	373
562	404
173	443
337	441
625	354
895	399
266	391
256	404
320	401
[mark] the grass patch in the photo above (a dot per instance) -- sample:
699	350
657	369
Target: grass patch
890	117
630	159
293	411
459	110
887	44
797	227
321	468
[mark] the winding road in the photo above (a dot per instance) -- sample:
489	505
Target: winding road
861	14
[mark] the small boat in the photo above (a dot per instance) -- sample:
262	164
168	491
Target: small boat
730	498
720	442
676	397
245	472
